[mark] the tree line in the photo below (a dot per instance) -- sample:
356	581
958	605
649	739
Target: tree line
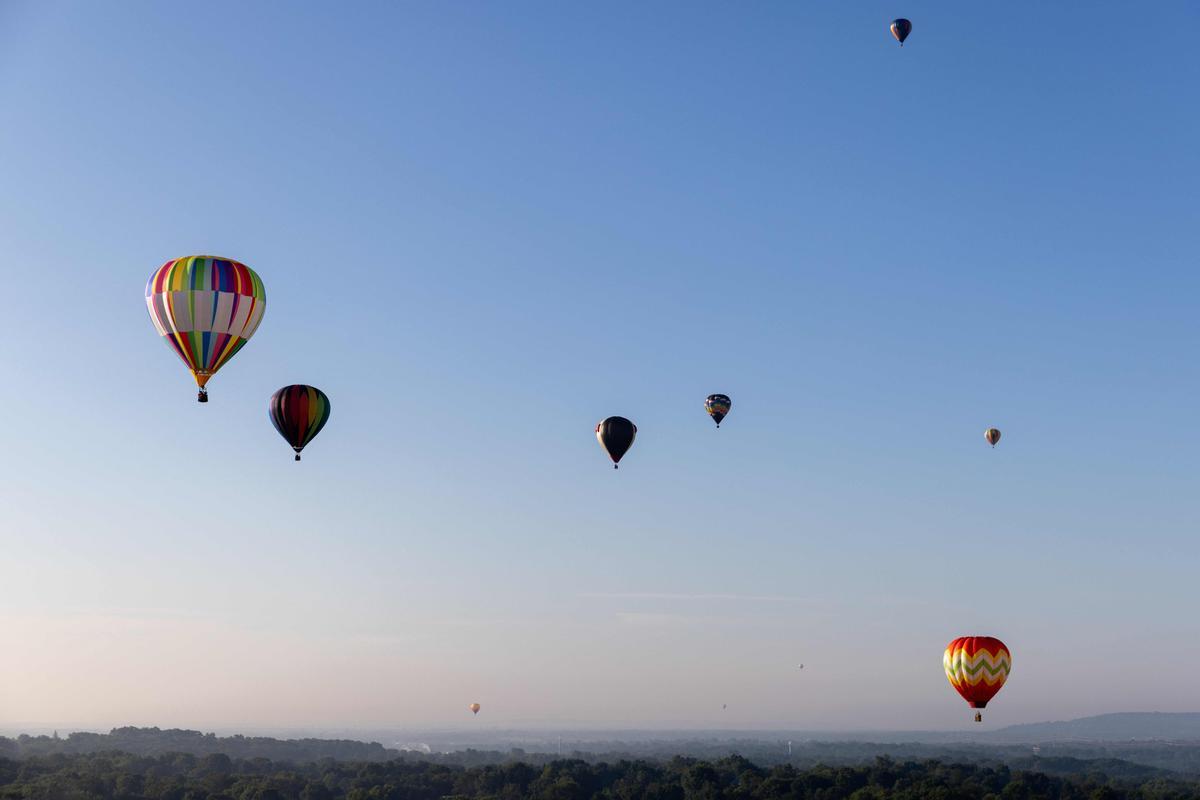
157	741
1136	761
121	776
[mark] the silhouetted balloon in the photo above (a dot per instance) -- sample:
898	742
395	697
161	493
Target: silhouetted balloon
616	435
977	666
901	28
298	412
717	406
992	435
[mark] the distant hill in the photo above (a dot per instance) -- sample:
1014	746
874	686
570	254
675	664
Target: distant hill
1107	728
154	742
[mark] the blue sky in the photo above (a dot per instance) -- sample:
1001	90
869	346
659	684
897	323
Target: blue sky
483	228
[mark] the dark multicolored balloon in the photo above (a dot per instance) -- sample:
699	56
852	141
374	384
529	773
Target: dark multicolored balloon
717	406
299	413
901	28
616	435
992	435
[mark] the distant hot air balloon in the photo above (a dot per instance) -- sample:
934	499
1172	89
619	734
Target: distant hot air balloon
993	435
616	435
206	308
474	708
977	666
298	412
717	406
901	28
723	706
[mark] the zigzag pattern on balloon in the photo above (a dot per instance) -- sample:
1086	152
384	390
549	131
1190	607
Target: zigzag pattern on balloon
983	666
977	666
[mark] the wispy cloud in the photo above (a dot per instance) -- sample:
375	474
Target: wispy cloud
687	597
653	620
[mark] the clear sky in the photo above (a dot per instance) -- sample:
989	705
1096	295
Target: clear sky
483	227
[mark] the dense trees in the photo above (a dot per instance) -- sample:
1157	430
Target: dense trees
119	776
1128	760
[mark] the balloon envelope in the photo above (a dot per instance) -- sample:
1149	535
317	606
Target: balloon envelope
299	413
616	435
474	708
977	666
717	406
992	435
206	308
901	28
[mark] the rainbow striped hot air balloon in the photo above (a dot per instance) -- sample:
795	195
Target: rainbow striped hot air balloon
977	666
206	308
298	412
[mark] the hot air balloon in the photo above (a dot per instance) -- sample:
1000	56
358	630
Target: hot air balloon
901	28
474	708
977	666
616	435
992	435
717	406
206	308
298	412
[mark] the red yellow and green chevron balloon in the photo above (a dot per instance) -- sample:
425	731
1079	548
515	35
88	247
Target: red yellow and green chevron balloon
977	666
206	308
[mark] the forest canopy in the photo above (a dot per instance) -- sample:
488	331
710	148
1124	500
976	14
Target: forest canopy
119	776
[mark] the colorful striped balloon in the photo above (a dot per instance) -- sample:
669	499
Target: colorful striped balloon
298	412
717	406
205	308
977	666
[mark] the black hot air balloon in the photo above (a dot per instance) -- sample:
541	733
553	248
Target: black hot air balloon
298	412
717	406
901	28
616	435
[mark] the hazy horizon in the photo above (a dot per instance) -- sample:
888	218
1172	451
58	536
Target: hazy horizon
482	229
524	727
